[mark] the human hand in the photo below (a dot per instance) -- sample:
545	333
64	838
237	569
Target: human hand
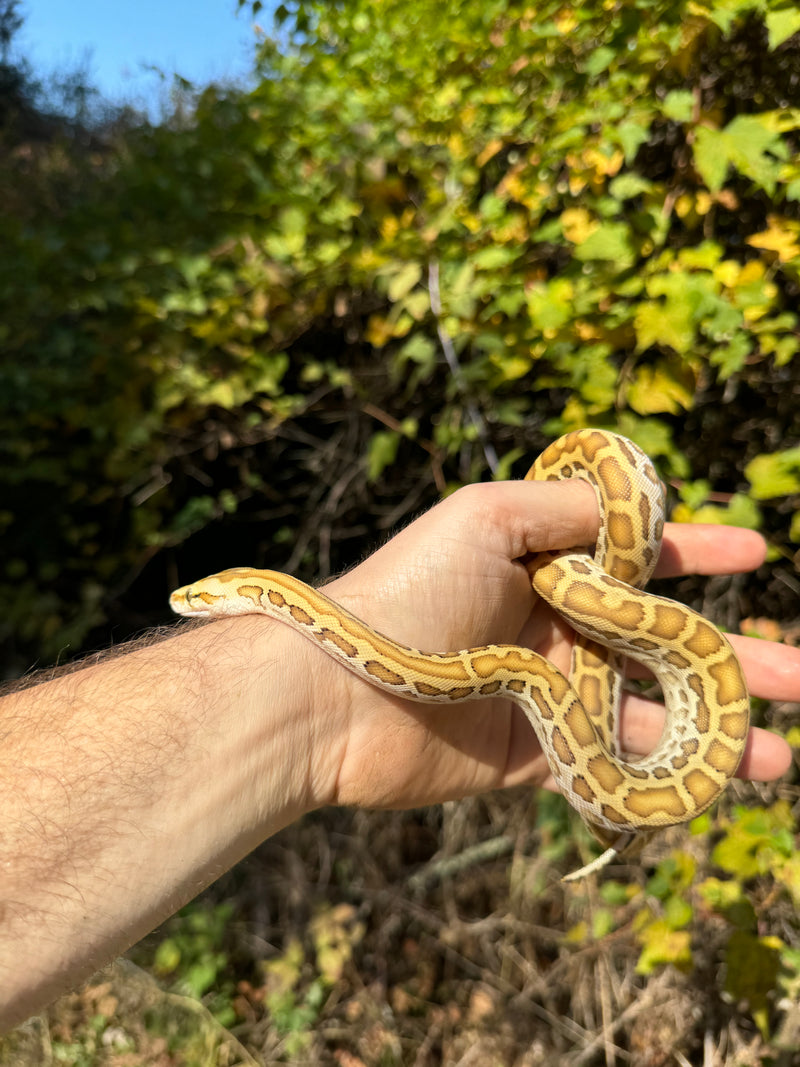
454	579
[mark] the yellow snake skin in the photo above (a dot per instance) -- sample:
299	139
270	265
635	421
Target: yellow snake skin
623	801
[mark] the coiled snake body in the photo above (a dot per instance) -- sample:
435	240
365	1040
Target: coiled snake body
623	801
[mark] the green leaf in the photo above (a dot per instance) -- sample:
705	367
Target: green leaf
748	143
381	453
631	136
781	25
679	105
665	324
600	60
494	257
731	357
403	281
710	158
550	305
752	968
774	475
609	241
741	510
628	186
662	944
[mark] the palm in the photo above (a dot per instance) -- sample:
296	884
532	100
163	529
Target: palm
449	582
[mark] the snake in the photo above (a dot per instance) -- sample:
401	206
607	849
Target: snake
599	591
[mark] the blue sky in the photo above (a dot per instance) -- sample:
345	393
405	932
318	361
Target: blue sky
202	40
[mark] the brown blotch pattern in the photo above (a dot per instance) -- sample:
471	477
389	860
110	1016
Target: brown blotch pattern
249	592
489	688
702	788
627	451
705	641
300	616
607	774
670	621
734	725
579	567
546	712
613	816
426	690
336	639
512	660
722	758
583	789
579	725
583	598
592	444
645	514
677	659
207	598
460	694
617	483
589	692
651	801
562	748
276	598
644	643
635	772
625	571
620	530
702	716
382	673
730	686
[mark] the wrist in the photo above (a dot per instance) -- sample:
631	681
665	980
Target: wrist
297	711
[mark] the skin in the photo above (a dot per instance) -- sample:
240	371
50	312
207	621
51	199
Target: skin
129	785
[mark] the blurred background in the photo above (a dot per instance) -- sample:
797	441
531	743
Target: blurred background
274	281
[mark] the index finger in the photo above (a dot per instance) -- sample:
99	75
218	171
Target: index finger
702	548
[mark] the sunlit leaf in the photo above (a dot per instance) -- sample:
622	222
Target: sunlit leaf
747	143
774	475
781	25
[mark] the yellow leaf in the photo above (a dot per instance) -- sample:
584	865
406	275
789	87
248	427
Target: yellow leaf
662	388
780	237
565	21
403	280
379	331
774	474
664	324
491	149
577	224
577	934
390	227
603	165
511	367
728	272
661	944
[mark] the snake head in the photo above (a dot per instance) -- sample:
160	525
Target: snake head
192	602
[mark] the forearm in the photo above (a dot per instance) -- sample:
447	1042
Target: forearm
130	785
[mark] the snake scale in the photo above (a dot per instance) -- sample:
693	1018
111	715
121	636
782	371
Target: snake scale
576	719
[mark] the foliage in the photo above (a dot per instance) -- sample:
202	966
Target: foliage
193	959
572	205
675	910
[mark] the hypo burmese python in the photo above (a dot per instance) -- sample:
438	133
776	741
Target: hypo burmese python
622	801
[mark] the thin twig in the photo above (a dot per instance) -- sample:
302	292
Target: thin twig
438	870
449	350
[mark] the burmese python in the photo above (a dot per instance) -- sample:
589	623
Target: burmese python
622	800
